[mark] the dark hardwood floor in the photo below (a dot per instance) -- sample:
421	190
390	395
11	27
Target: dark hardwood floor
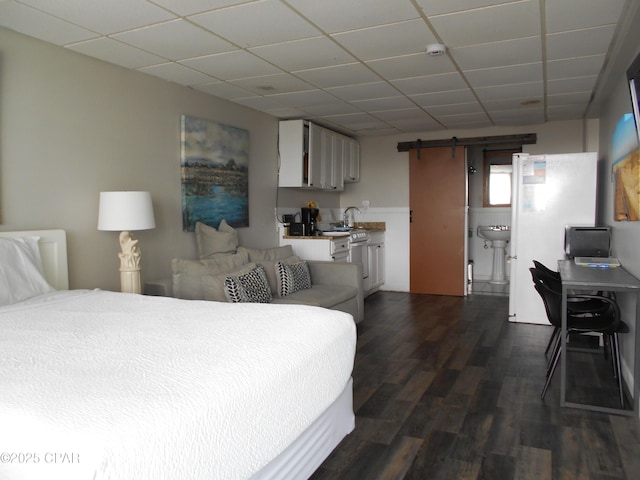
447	388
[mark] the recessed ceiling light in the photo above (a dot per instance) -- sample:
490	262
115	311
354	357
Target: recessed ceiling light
436	49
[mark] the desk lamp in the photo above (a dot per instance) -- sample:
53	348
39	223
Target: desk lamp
127	211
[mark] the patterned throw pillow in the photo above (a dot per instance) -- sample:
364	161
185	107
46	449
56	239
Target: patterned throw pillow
248	287
292	277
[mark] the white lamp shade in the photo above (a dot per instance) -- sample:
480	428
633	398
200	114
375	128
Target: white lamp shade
125	211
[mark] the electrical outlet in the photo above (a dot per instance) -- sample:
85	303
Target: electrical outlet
366	204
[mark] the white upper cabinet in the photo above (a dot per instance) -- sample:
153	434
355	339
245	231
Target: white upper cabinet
312	156
351	161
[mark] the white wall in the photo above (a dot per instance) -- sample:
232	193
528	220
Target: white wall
72	126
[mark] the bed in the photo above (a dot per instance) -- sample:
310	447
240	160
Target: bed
103	385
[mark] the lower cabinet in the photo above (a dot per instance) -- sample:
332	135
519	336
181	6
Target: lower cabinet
376	262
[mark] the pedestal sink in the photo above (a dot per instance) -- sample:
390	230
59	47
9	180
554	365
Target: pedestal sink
498	235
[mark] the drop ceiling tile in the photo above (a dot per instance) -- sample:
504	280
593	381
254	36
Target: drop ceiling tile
439	7
232	65
568	85
488	77
285	113
380	104
457	109
430	83
426	124
472	120
453	97
258	103
112	51
417	65
568	99
363	91
579	43
177	73
413	113
388	40
272	84
562	15
262	23
190	7
175	40
223	90
337	107
350	74
334	16
304	54
513	104
32	22
518	90
514	23
104	17
499	54
574	67
304	99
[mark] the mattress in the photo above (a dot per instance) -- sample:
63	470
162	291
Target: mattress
103	385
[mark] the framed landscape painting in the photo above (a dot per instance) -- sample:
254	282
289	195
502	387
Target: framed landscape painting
214	168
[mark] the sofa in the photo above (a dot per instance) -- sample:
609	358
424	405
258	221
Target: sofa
228	272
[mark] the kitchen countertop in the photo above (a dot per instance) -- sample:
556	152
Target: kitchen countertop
371	226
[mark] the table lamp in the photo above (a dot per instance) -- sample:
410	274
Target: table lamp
127	211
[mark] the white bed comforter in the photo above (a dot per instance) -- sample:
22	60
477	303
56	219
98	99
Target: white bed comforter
102	385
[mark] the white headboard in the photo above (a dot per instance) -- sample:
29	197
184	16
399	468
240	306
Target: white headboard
53	250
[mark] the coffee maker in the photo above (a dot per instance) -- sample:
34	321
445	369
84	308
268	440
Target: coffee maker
309	221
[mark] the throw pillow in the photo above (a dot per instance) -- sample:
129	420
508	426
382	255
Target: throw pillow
248	287
270	268
213	285
293	277
212	242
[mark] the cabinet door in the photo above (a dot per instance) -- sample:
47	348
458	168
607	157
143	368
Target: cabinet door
292	149
316	138
337	162
326	157
352	161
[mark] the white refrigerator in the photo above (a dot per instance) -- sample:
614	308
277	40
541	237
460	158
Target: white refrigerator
549	192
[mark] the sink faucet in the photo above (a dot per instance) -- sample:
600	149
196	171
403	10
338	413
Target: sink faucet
347	219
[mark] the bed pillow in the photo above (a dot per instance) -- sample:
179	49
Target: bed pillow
292	277
21	273
214	242
188	274
246	287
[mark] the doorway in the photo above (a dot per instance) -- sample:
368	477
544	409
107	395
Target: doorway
438	204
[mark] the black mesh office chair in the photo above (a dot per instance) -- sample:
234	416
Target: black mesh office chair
606	322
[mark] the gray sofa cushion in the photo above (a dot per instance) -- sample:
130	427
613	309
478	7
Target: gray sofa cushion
319	295
187	274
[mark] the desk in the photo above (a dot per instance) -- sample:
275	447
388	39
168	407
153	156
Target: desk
576	277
